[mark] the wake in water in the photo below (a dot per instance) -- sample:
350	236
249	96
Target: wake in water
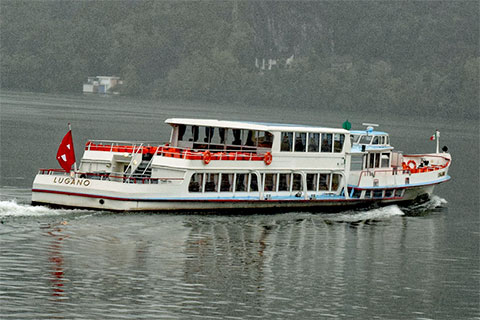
382	213
371	214
12	209
424	208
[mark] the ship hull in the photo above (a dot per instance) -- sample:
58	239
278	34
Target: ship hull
103	195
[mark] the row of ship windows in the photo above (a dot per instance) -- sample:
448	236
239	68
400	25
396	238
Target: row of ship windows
377	193
312	142
273	182
222	136
366	139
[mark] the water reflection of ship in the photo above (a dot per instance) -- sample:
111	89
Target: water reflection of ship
56	259
252	260
228	256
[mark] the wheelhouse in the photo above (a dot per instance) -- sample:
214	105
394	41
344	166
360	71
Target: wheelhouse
373	138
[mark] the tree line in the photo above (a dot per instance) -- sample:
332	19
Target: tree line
399	56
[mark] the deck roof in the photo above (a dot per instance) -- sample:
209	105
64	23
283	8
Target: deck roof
251	125
370	133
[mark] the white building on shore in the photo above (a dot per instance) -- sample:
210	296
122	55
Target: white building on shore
101	84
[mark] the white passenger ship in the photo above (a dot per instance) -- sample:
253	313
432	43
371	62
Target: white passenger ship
216	165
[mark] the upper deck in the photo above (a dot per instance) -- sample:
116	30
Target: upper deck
250	125
194	143
260	137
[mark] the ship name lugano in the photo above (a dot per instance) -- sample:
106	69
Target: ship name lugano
72	181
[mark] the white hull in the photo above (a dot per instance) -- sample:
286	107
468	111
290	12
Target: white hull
102	195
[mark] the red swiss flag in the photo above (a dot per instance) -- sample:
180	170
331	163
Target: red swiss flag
65	153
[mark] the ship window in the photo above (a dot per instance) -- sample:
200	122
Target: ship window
374	160
284	182
388	193
241	182
365	140
338	144
265	139
226	184
385	160
368	194
250	136
324	182
356	193
237	137
326	142
377	160
375	140
196	183
297	182
377	193
205	134
398	193
270	181
312	181
371	160
300	141
335	181
356	162
253	182
211	182
190	134
313	142
219	138
181	131
287	138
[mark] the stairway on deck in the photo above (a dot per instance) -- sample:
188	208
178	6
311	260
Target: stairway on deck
139	172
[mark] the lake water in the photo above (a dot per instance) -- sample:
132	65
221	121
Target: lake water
419	262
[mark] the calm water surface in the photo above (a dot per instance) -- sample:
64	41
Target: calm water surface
419	262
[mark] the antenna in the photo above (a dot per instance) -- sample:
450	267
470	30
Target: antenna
370	126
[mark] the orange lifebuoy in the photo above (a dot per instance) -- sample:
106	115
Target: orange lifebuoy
207	156
411	165
268	158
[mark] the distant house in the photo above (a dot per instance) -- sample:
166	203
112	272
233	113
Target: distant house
269	64
101	84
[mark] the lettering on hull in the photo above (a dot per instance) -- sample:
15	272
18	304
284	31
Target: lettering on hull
71	181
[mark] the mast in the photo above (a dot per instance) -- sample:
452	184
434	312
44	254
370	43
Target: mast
437	137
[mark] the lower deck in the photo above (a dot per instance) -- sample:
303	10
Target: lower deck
218	191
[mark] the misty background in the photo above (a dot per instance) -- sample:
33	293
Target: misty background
400	57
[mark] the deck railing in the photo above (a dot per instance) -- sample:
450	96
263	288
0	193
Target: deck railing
105	176
251	154
405	169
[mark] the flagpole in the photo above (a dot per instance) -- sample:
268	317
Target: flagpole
437	137
75	163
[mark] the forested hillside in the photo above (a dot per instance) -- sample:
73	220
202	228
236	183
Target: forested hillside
400	56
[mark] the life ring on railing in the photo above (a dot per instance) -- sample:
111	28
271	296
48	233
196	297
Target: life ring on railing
267	158
207	156
411	165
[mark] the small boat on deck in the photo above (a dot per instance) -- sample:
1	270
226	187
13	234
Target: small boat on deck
214	165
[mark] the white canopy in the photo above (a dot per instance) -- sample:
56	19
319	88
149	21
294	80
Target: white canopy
249	125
